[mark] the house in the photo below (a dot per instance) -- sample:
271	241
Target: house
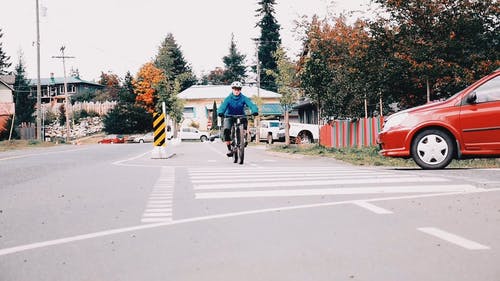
53	88
7	107
306	111
199	100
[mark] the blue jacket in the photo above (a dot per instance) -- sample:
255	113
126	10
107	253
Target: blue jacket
235	105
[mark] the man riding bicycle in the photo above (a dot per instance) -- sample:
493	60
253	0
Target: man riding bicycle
234	104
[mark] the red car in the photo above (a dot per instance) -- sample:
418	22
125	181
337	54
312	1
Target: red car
112	139
467	125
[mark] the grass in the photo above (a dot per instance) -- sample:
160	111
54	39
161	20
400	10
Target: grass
368	156
22	144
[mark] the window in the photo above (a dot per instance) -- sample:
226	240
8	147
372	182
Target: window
489	91
189	112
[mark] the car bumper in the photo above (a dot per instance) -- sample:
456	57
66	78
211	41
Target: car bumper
392	144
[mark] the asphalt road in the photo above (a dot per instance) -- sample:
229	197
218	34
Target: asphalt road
111	212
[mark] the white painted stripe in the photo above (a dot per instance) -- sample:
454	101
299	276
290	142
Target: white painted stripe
294	174
336	191
265	169
155	206
156	215
130	159
152	210
454	239
293	177
159	201
251	184
65	240
373	208
259	170
156	220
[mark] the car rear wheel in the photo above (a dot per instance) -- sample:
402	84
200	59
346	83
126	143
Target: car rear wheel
141	141
304	138
432	149
203	138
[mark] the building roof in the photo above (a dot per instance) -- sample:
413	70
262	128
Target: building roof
272	109
221	92
6	84
60	80
8	79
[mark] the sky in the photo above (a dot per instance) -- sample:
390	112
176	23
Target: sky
122	35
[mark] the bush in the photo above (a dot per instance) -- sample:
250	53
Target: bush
128	119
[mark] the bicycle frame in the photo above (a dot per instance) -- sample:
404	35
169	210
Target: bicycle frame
238	136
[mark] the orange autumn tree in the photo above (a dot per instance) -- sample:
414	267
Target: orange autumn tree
148	79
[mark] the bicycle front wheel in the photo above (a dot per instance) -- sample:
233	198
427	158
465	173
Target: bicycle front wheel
241	147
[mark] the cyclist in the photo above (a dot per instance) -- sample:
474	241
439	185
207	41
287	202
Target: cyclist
234	104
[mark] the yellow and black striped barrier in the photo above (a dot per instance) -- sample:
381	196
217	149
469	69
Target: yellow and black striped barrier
159	131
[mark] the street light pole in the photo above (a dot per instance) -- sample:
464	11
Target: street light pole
38	86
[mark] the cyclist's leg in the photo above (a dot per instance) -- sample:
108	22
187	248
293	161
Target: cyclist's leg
228	122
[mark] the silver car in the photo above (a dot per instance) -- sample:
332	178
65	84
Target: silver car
149	137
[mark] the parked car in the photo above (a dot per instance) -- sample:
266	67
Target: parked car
467	125
300	133
215	135
112	139
190	133
149	137
268	130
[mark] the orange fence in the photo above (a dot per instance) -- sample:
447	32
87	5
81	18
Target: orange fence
348	133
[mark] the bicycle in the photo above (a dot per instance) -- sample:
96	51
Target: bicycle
238	136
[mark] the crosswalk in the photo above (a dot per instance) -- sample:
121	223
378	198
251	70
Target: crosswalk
254	182
159	206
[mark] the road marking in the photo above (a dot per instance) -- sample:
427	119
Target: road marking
130	159
373	208
44	244
39	154
374	180
288	178
454	239
160	201
336	191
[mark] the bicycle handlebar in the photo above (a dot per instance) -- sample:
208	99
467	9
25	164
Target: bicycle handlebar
238	116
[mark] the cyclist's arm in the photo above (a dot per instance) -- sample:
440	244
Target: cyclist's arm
251	105
223	107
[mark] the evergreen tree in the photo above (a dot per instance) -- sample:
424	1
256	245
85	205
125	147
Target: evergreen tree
214	117
235	70
25	103
171	60
268	43
4	59
126	94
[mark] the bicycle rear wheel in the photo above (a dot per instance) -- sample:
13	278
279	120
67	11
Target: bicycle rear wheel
241	144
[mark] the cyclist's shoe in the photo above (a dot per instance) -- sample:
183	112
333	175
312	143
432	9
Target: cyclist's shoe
229	154
246	143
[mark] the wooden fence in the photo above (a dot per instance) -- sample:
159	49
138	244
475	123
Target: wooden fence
349	133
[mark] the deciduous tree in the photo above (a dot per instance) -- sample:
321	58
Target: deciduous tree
146	83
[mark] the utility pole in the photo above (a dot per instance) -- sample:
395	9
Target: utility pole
38	86
66	97
257	118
